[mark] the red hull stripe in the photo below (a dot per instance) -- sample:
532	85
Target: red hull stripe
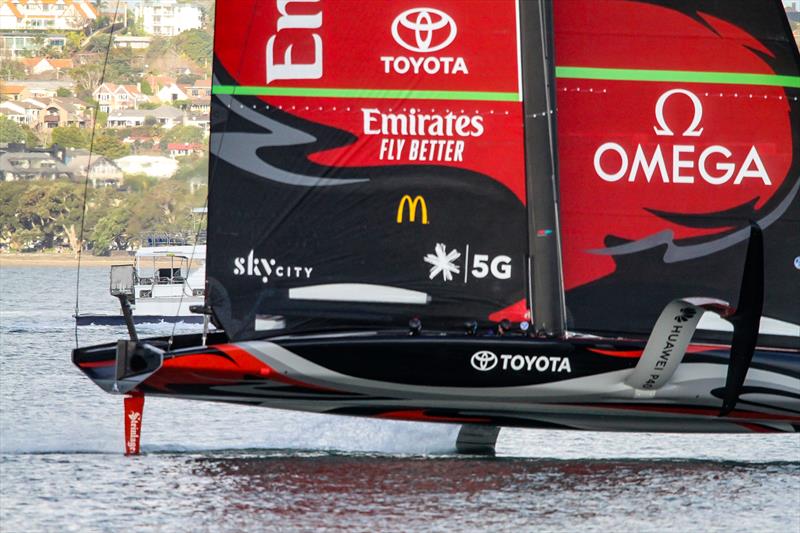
96	364
618	353
419	415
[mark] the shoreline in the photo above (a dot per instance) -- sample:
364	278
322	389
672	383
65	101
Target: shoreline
61	260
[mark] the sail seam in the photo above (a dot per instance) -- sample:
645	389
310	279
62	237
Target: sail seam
255	90
687	76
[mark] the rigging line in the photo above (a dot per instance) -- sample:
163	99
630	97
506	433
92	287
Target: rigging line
188	270
88	173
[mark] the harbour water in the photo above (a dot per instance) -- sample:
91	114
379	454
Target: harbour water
213	467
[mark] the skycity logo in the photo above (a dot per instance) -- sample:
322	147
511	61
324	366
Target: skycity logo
268	268
685	164
484	361
424	30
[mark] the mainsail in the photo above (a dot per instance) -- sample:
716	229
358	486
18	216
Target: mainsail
367	164
479	161
678	127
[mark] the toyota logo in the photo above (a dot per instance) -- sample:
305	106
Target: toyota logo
430	28
483	360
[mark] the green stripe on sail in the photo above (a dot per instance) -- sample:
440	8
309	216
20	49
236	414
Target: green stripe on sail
687	76
251	90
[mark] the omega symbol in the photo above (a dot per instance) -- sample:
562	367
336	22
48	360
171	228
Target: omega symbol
692	130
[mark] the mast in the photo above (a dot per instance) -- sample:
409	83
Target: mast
546	289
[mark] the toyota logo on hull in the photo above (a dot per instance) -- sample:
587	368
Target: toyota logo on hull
431	29
483	360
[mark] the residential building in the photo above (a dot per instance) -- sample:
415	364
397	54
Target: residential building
11	92
168	18
171	93
165	116
155	166
63	112
17	44
113	97
17	166
28	109
185	149
101	172
46	15
13	114
198	120
41	65
791	5
129	41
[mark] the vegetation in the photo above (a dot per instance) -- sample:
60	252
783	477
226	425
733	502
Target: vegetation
70	137
39	215
11	132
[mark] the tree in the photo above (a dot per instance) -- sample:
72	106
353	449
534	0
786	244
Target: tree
10	131
146	89
109	146
70	137
183	134
63	92
195	44
110	232
87	77
11	70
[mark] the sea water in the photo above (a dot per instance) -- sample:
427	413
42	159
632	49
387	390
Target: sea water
216	467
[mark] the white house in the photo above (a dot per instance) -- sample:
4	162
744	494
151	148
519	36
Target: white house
102	172
47	15
155	166
168	18
171	93
113	97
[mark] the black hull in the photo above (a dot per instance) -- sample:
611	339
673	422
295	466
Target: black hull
502	381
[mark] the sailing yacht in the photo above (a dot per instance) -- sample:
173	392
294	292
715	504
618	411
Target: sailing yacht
496	213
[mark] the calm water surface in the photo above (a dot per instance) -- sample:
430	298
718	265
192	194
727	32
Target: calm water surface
210	467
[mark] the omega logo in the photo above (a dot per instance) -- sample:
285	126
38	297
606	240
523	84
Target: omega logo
426	23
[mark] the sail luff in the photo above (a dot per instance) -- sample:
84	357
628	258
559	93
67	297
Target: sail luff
546	292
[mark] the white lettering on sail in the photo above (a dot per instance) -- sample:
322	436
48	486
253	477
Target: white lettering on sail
289	70
268	268
687	164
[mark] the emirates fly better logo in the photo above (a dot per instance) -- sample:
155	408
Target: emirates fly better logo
424	30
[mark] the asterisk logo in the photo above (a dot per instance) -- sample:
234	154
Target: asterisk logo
442	262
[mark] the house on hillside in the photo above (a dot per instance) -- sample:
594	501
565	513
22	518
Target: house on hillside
64	112
101	172
165	116
113	97
171	93
168	18
185	149
130	41
12	114
47	15
11	92
150	165
19	166
29	110
40	65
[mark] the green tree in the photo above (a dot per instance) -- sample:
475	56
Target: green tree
70	137
183	134
110	232
12	70
63	92
195	44
109	146
10	131
146	89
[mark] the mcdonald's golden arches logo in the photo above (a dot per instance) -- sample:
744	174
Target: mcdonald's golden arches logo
412	204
